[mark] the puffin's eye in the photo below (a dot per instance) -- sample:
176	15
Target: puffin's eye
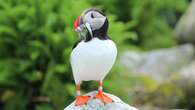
92	15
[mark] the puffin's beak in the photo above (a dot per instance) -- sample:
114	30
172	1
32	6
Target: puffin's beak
76	23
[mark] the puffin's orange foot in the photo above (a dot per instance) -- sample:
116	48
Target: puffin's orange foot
81	100
104	98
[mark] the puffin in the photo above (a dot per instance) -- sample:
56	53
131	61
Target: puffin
93	55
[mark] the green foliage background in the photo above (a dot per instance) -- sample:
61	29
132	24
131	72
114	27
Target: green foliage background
36	38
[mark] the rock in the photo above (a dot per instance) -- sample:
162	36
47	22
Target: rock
96	104
158	63
188	72
185	27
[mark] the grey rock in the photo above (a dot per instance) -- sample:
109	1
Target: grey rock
185	27
96	104
188	72
158	63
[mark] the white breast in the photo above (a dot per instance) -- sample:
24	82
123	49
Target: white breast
93	60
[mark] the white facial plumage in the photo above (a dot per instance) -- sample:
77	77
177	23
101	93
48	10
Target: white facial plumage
95	20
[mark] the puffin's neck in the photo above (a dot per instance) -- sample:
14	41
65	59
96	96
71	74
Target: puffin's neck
89	38
97	34
100	35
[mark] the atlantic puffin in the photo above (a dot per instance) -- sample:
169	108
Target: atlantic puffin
93	56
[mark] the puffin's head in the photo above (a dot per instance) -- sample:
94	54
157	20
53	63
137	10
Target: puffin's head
91	23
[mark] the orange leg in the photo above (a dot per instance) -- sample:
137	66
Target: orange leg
81	100
100	95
